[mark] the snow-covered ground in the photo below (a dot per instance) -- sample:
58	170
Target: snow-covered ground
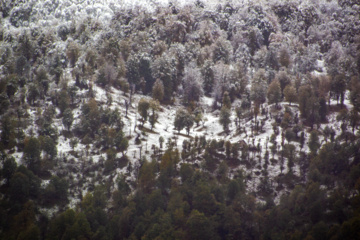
51	14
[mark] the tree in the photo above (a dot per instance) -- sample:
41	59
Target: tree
107	75
8	169
161	141
199	227
338	87
63	100
305	93
43	81
33	93
225	118
132	70
143	107
147	176
56	191
73	53
290	94
31	154
68	118
162	68
355	92
154	106
258	87
49	146
222	50
188	122
226	100
221	81
314	144
274	92
283	79
289	135
354	119
179	119
284	57
7	132
158	90
208	75
192	85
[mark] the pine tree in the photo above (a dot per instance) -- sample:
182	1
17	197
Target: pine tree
225	118
68	118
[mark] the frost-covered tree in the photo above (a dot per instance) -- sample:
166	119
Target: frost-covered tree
158	90
258	87
68	118
284	80
224	118
222	50
162	68
145	72
208	75
305	59
132	70
222	81
107	75
192	85
183	119
284	57
73	53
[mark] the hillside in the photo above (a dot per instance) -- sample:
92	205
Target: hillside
179	120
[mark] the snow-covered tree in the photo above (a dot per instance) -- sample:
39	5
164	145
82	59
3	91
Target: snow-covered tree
158	90
258	87
192	85
163	68
222	81
224	118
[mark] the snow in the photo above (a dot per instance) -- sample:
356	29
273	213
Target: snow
102	11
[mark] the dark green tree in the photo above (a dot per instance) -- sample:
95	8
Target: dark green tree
224	118
143	107
31	155
68	118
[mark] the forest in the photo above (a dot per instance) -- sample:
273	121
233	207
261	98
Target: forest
179	120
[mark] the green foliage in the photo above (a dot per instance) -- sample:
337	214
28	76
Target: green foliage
7	132
224	118
31	154
56	192
158	90
8	169
314	142
183	119
68	118
143	107
274	92
199	226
